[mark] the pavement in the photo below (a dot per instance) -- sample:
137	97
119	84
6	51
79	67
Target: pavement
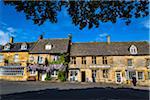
38	90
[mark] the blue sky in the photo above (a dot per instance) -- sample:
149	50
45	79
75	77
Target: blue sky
14	23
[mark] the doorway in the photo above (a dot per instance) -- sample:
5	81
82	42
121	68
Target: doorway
83	76
118	77
94	75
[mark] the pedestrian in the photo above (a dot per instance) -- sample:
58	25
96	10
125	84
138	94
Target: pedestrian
134	81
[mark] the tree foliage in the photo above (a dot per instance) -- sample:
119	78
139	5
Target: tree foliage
83	13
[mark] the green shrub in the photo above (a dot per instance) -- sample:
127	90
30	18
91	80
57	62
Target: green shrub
61	76
48	77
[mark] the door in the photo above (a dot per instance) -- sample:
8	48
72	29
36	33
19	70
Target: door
94	75
118	77
83	76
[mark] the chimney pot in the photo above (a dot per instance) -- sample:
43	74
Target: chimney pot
11	40
40	37
70	36
108	39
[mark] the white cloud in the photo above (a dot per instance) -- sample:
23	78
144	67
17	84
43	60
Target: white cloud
11	30
4	37
101	37
147	23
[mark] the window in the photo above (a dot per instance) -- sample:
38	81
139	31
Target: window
73	60
11	71
54	73
105	73
7	47
133	49
40	60
147	62
1	58
93	60
48	47
31	58
83	60
140	75
16	58
24	46
32	73
149	75
131	74
129	62
55	58
104	60
73	75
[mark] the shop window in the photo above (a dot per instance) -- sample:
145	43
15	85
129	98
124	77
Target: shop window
105	73
104	60
130	62
1	58
11	71
83	60
73	60
93	60
140	75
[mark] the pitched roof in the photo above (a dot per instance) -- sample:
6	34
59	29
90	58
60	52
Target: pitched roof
16	47
58	46
102	48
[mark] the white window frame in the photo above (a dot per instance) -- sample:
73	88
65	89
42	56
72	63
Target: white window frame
11	71
133	49
54	73
55	57
16	58
1	58
31	59
74	75
24	47
48	47
7	47
41	60
141	76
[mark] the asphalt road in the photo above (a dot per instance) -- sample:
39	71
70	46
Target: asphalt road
69	91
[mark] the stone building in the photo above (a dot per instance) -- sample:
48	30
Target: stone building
14	59
110	62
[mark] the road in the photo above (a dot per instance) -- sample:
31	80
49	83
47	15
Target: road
70	91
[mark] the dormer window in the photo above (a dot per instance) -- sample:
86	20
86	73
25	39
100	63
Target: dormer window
133	49
24	46
7	47
48	47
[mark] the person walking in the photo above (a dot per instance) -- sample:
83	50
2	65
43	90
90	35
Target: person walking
134	81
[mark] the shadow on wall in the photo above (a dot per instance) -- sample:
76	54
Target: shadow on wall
76	94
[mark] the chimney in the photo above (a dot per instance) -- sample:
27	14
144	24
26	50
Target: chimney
70	36
11	40
108	39
40	37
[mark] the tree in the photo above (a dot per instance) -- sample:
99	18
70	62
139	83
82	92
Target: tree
83	13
